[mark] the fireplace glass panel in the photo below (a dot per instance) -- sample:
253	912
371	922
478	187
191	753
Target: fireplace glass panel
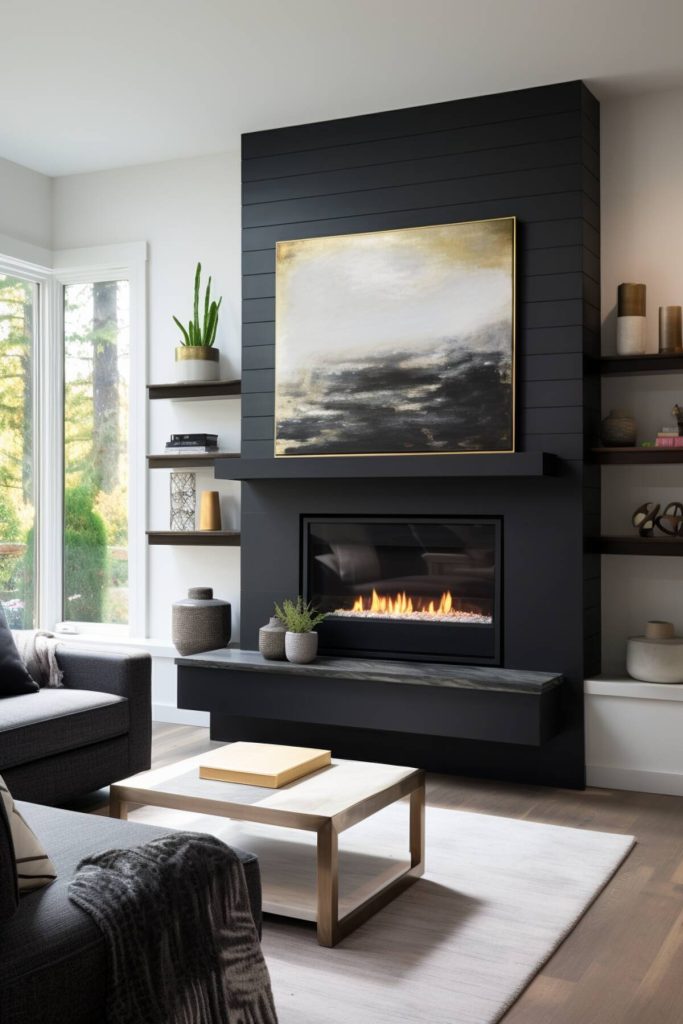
420	587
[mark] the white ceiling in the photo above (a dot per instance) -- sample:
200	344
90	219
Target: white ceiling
91	84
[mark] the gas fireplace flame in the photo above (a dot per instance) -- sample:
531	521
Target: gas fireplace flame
402	606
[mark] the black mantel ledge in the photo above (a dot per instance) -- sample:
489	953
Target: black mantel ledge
357	467
458	677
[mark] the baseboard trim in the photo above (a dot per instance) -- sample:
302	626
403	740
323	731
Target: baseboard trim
178	716
634	779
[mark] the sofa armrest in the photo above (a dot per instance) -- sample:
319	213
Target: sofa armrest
122	673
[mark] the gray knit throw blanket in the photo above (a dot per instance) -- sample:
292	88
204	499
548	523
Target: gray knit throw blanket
182	944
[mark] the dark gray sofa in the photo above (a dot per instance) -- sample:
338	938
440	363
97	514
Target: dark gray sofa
53	958
94	730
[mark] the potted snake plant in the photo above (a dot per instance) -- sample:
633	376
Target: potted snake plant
300	621
196	358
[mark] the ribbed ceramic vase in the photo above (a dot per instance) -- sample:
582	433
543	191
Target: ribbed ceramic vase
301	648
618	430
200	622
271	640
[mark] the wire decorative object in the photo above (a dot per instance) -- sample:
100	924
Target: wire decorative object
183	501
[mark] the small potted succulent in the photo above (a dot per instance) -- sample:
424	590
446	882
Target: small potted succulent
300	621
195	357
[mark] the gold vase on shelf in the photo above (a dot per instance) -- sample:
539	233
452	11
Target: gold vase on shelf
209	511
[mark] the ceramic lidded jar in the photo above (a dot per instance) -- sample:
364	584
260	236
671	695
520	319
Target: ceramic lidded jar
656	657
271	640
618	430
200	622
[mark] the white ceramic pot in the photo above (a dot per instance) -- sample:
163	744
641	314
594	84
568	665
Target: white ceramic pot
301	648
656	657
196	363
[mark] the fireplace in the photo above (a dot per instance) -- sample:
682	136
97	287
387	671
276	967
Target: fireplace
399	586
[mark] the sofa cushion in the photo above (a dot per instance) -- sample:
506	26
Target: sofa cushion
52	721
9	893
34	869
54	963
14	677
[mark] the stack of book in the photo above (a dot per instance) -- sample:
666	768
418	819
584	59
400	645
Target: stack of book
668	439
185	444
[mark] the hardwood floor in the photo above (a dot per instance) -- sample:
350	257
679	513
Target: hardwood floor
623	963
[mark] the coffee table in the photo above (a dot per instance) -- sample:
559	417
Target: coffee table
327	802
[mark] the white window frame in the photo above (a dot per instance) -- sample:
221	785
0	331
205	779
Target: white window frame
55	270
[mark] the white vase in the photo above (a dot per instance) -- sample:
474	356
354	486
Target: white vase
196	363
301	648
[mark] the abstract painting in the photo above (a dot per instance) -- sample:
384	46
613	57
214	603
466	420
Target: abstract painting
396	342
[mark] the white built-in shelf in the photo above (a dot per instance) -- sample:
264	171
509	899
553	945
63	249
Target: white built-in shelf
623	686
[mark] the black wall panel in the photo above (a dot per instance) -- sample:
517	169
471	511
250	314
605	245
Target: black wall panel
533	154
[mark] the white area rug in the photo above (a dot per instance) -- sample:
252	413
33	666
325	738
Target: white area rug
458	947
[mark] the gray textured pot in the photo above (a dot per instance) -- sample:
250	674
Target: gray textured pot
271	640
301	648
200	622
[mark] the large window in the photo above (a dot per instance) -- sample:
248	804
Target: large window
73	440
18	315
96	417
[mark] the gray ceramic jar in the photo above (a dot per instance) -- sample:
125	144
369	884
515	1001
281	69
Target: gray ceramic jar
271	640
200	622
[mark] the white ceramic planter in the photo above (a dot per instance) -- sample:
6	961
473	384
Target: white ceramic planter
301	648
196	363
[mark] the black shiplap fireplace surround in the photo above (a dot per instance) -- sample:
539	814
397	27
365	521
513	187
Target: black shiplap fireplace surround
533	154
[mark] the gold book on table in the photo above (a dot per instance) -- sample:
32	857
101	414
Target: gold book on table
262	764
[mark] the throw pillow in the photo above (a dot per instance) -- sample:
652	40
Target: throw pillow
33	866
14	676
9	894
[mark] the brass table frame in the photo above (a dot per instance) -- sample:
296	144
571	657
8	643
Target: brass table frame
331	928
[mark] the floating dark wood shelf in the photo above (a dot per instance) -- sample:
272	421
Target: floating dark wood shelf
635	545
357	467
163	461
196	389
195	538
639	456
650	363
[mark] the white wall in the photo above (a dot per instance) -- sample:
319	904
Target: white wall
186	210
642	240
633	729
25	209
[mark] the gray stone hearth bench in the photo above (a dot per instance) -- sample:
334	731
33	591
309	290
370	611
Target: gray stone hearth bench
62	742
53	958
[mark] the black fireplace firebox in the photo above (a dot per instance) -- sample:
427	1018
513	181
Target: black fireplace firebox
427	588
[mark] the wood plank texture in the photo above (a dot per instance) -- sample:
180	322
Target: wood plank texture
533	154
